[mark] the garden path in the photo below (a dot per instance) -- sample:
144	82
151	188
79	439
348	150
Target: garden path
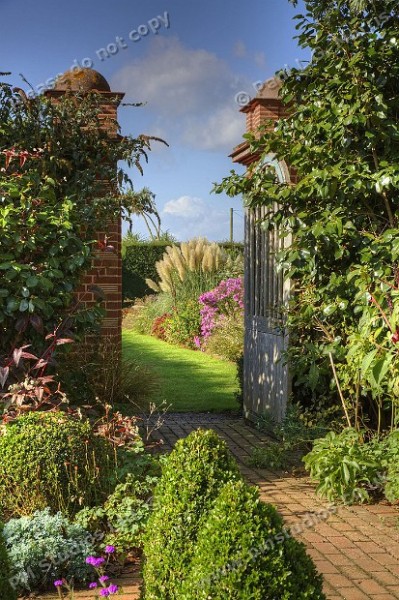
356	549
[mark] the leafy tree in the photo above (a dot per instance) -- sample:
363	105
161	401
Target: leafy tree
341	138
142	204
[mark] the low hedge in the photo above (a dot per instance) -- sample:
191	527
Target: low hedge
50	459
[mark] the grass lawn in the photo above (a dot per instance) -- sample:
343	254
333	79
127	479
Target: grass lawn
189	380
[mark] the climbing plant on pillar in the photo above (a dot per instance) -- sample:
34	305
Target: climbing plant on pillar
341	137
58	186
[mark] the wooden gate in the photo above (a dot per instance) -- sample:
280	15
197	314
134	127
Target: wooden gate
266	377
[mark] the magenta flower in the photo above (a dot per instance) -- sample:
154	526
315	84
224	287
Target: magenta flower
58	583
105	592
226	300
95	562
103	578
113	589
92	585
109	549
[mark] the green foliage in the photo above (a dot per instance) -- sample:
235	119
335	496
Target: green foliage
123	517
345	466
48	229
43	548
340	136
183	324
50	459
191	479
85	381
138	264
391	487
295	434
6	589
243	552
274	456
142	315
227	338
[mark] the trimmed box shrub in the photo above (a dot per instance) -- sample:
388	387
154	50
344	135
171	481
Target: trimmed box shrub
6	589
243	551
192	478
51	459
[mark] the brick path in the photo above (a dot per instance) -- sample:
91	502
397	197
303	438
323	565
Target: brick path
356	549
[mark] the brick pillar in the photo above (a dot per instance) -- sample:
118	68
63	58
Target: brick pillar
106	271
266	106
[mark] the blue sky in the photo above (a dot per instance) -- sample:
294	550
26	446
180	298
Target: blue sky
186	60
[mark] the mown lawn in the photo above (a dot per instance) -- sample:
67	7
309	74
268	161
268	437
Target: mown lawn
189	380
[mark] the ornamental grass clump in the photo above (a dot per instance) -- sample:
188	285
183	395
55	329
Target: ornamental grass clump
192	478
51	459
189	270
243	551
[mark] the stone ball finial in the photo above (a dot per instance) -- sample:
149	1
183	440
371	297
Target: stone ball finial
82	80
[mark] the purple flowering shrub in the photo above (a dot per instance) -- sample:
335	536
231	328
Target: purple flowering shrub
222	319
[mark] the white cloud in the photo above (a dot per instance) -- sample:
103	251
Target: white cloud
188	216
190	91
185	207
222	129
175	79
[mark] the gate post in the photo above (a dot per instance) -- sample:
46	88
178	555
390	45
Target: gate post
106	271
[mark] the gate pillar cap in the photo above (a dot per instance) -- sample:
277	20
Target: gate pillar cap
82	80
270	89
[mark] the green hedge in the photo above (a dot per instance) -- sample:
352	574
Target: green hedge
138	264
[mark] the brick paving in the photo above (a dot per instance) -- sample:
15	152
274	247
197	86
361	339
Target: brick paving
356	549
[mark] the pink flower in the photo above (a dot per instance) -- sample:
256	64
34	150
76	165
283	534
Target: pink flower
227	299
95	562
109	549
113	589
